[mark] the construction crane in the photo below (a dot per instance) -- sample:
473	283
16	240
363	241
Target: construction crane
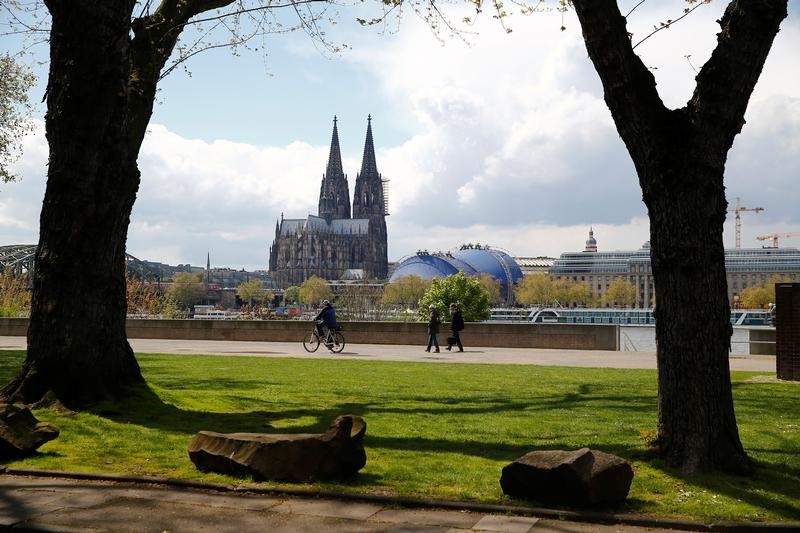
775	236
738	210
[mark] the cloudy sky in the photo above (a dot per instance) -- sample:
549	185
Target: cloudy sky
503	139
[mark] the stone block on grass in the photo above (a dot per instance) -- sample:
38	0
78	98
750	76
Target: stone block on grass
20	432
582	477
298	458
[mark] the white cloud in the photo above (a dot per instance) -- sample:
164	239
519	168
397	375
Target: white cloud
512	146
514	132
220	196
21	201
524	240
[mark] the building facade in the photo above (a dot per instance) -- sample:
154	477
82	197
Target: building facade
333	244
745	268
535	265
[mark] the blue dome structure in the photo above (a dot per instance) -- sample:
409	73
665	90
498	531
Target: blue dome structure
429	266
470	259
498	264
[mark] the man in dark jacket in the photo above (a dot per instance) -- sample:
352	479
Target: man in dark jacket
325	319
433	328
456	325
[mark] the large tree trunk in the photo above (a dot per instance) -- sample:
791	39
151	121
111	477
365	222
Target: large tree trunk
697	426
100	98
77	347
680	157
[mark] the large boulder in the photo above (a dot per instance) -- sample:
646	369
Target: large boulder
20	432
581	477
300	458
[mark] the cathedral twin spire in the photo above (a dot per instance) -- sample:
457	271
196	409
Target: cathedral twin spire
334	197
334	193
368	164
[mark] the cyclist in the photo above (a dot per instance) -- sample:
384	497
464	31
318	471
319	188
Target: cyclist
326	321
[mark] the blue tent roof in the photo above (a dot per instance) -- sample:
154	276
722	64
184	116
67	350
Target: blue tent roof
499	264
427	267
471	261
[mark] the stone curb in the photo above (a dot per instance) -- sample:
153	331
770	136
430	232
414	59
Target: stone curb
540	512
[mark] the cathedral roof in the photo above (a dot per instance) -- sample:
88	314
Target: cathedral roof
352	226
318	225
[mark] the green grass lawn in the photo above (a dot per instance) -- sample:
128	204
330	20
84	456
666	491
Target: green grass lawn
433	430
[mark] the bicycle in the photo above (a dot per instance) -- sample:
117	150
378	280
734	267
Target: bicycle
332	339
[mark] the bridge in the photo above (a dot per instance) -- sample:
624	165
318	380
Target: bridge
19	260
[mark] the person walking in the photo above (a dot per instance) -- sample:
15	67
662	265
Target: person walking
456	325
433	328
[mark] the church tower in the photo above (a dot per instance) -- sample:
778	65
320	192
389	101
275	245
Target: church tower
591	243
334	193
369	201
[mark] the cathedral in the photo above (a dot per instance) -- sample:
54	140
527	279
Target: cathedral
333	244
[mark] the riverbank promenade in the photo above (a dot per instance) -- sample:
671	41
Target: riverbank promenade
392	352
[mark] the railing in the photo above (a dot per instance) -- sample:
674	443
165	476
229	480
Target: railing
626	344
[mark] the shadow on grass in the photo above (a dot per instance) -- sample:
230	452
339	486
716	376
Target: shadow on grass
143	406
774	485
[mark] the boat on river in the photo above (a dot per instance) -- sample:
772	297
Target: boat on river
630	317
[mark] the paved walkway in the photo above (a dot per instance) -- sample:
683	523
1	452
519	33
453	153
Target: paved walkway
47	504
393	352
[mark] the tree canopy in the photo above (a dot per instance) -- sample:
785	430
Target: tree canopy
254	291
314	290
761	295
541	289
406	291
187	289
291	295
493	287
468	292
620	293
15	110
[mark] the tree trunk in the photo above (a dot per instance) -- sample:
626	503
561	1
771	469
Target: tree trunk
680	158
77	346
696	422
100	96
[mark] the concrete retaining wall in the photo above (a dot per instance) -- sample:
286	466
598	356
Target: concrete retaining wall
762	341
556	336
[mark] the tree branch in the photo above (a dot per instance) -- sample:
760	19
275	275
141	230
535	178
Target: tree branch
629	87
727	80
664	25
